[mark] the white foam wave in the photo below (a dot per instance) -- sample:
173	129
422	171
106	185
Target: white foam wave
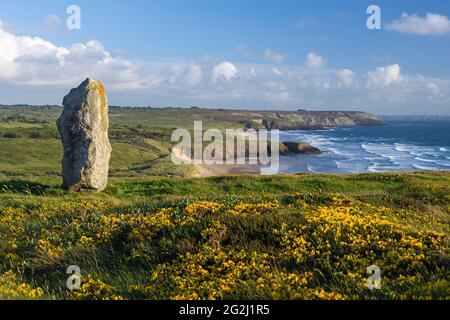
420	167
425	160
362	154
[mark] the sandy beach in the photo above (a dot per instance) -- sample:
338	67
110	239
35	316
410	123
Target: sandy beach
214	170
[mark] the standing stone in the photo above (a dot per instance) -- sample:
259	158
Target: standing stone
83	126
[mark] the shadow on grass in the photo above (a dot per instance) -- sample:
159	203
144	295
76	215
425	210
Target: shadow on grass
27	187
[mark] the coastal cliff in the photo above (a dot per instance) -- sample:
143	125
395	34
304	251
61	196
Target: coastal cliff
294	148
305	120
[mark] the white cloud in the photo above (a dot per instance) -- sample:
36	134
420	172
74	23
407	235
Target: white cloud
431	24
194	76
276	71
225	70
273	56
52	22
28	60
384	76
346	77
315	61
36	69
434	88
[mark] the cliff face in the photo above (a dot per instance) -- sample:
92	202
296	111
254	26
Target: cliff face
301	120
293	148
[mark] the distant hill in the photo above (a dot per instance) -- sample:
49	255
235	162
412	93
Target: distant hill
304	120
141	137
273	119
174	117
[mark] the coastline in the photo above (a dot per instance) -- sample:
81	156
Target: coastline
213	170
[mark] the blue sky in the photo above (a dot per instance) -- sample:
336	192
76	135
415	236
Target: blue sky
184	41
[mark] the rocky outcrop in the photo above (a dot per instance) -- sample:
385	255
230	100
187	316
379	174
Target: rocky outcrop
293	148
83	126
306	120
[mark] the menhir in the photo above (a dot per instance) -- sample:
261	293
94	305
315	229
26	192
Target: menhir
83	126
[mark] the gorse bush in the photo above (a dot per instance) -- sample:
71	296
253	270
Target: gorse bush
11	288
304	245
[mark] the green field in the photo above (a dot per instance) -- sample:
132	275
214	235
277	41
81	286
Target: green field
154	233
140	136
283	237
30	145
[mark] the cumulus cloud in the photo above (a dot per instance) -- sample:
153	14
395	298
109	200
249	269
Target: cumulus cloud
314	61
346	77
384	76
34	61
431	24
273	56
194	75
225	70
276	71
45	72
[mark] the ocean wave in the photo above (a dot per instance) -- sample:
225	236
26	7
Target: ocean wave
355	152
379	167
341	152
387	152
413	149
420	167
311	168
401	147
313	139
342	165
438	162
351	166
425	160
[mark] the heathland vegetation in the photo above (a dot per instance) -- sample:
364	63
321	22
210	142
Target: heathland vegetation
155	233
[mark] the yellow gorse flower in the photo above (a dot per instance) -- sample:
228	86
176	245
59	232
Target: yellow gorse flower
314	246
12	288
92	289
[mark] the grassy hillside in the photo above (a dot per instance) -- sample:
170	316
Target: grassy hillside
42	157
282	237
29	140
155	234
30	145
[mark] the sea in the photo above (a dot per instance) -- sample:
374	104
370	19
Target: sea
399	145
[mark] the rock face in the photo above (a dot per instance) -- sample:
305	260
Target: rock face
83	126
306	120
293	148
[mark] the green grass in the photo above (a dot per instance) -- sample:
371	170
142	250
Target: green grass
14	125
42	157
413	189
140	139
151	235
416	203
